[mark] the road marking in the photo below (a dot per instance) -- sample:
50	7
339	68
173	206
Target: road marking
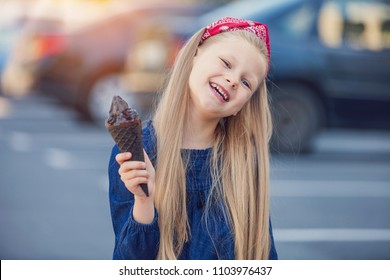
353	141
57	158
331	235
309	188
90	139
64	160
20	141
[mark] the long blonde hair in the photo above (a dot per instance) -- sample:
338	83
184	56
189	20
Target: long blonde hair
239	165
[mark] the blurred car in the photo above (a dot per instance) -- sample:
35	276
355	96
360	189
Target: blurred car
7	38
329	64
11	18
82	64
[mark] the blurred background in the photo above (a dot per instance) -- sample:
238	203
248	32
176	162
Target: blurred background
61	61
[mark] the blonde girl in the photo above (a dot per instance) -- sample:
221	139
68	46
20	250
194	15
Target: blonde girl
206	156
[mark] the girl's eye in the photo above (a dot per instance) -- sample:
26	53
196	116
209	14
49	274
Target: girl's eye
246	83
227	64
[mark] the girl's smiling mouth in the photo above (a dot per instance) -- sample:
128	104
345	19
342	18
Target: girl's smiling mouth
221	91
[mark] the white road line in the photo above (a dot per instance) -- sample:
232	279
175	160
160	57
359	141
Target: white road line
64	160
353	141
77	137
309	188
20	141
331	235
57	158
317	167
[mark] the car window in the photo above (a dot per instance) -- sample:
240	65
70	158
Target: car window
297	23
358	25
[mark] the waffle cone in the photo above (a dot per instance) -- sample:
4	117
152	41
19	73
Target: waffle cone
128	137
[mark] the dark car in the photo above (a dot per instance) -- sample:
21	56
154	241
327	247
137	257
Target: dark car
330	64
81	65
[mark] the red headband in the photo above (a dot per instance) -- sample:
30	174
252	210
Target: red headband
232	24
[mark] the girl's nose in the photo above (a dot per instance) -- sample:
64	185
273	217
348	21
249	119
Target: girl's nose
231	83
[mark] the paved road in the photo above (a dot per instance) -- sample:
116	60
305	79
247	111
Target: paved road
332	204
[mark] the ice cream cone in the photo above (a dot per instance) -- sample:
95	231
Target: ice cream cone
125	128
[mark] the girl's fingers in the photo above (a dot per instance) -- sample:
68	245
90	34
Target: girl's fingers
134	174
131	165
137	190
135	182
125	164
133	185
122	157
149	166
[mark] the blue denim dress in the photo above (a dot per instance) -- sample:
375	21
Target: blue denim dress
210	238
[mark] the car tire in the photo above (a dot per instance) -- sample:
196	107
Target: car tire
297	115
100	95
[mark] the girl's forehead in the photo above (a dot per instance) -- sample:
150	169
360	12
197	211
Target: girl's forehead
237	47
227	43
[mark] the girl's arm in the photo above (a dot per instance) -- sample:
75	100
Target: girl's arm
136	237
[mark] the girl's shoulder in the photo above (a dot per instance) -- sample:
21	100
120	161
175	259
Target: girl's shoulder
149	140
147	127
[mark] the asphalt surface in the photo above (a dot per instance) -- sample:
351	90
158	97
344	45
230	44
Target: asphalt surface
331	204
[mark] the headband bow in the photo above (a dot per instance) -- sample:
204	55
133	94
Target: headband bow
232	24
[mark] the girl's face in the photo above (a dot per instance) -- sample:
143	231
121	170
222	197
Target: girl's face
224	76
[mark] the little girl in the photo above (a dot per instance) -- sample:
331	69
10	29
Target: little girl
206	156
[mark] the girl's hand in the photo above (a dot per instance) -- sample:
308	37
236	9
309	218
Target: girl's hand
134	173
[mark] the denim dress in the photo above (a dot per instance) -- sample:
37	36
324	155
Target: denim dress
210	234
